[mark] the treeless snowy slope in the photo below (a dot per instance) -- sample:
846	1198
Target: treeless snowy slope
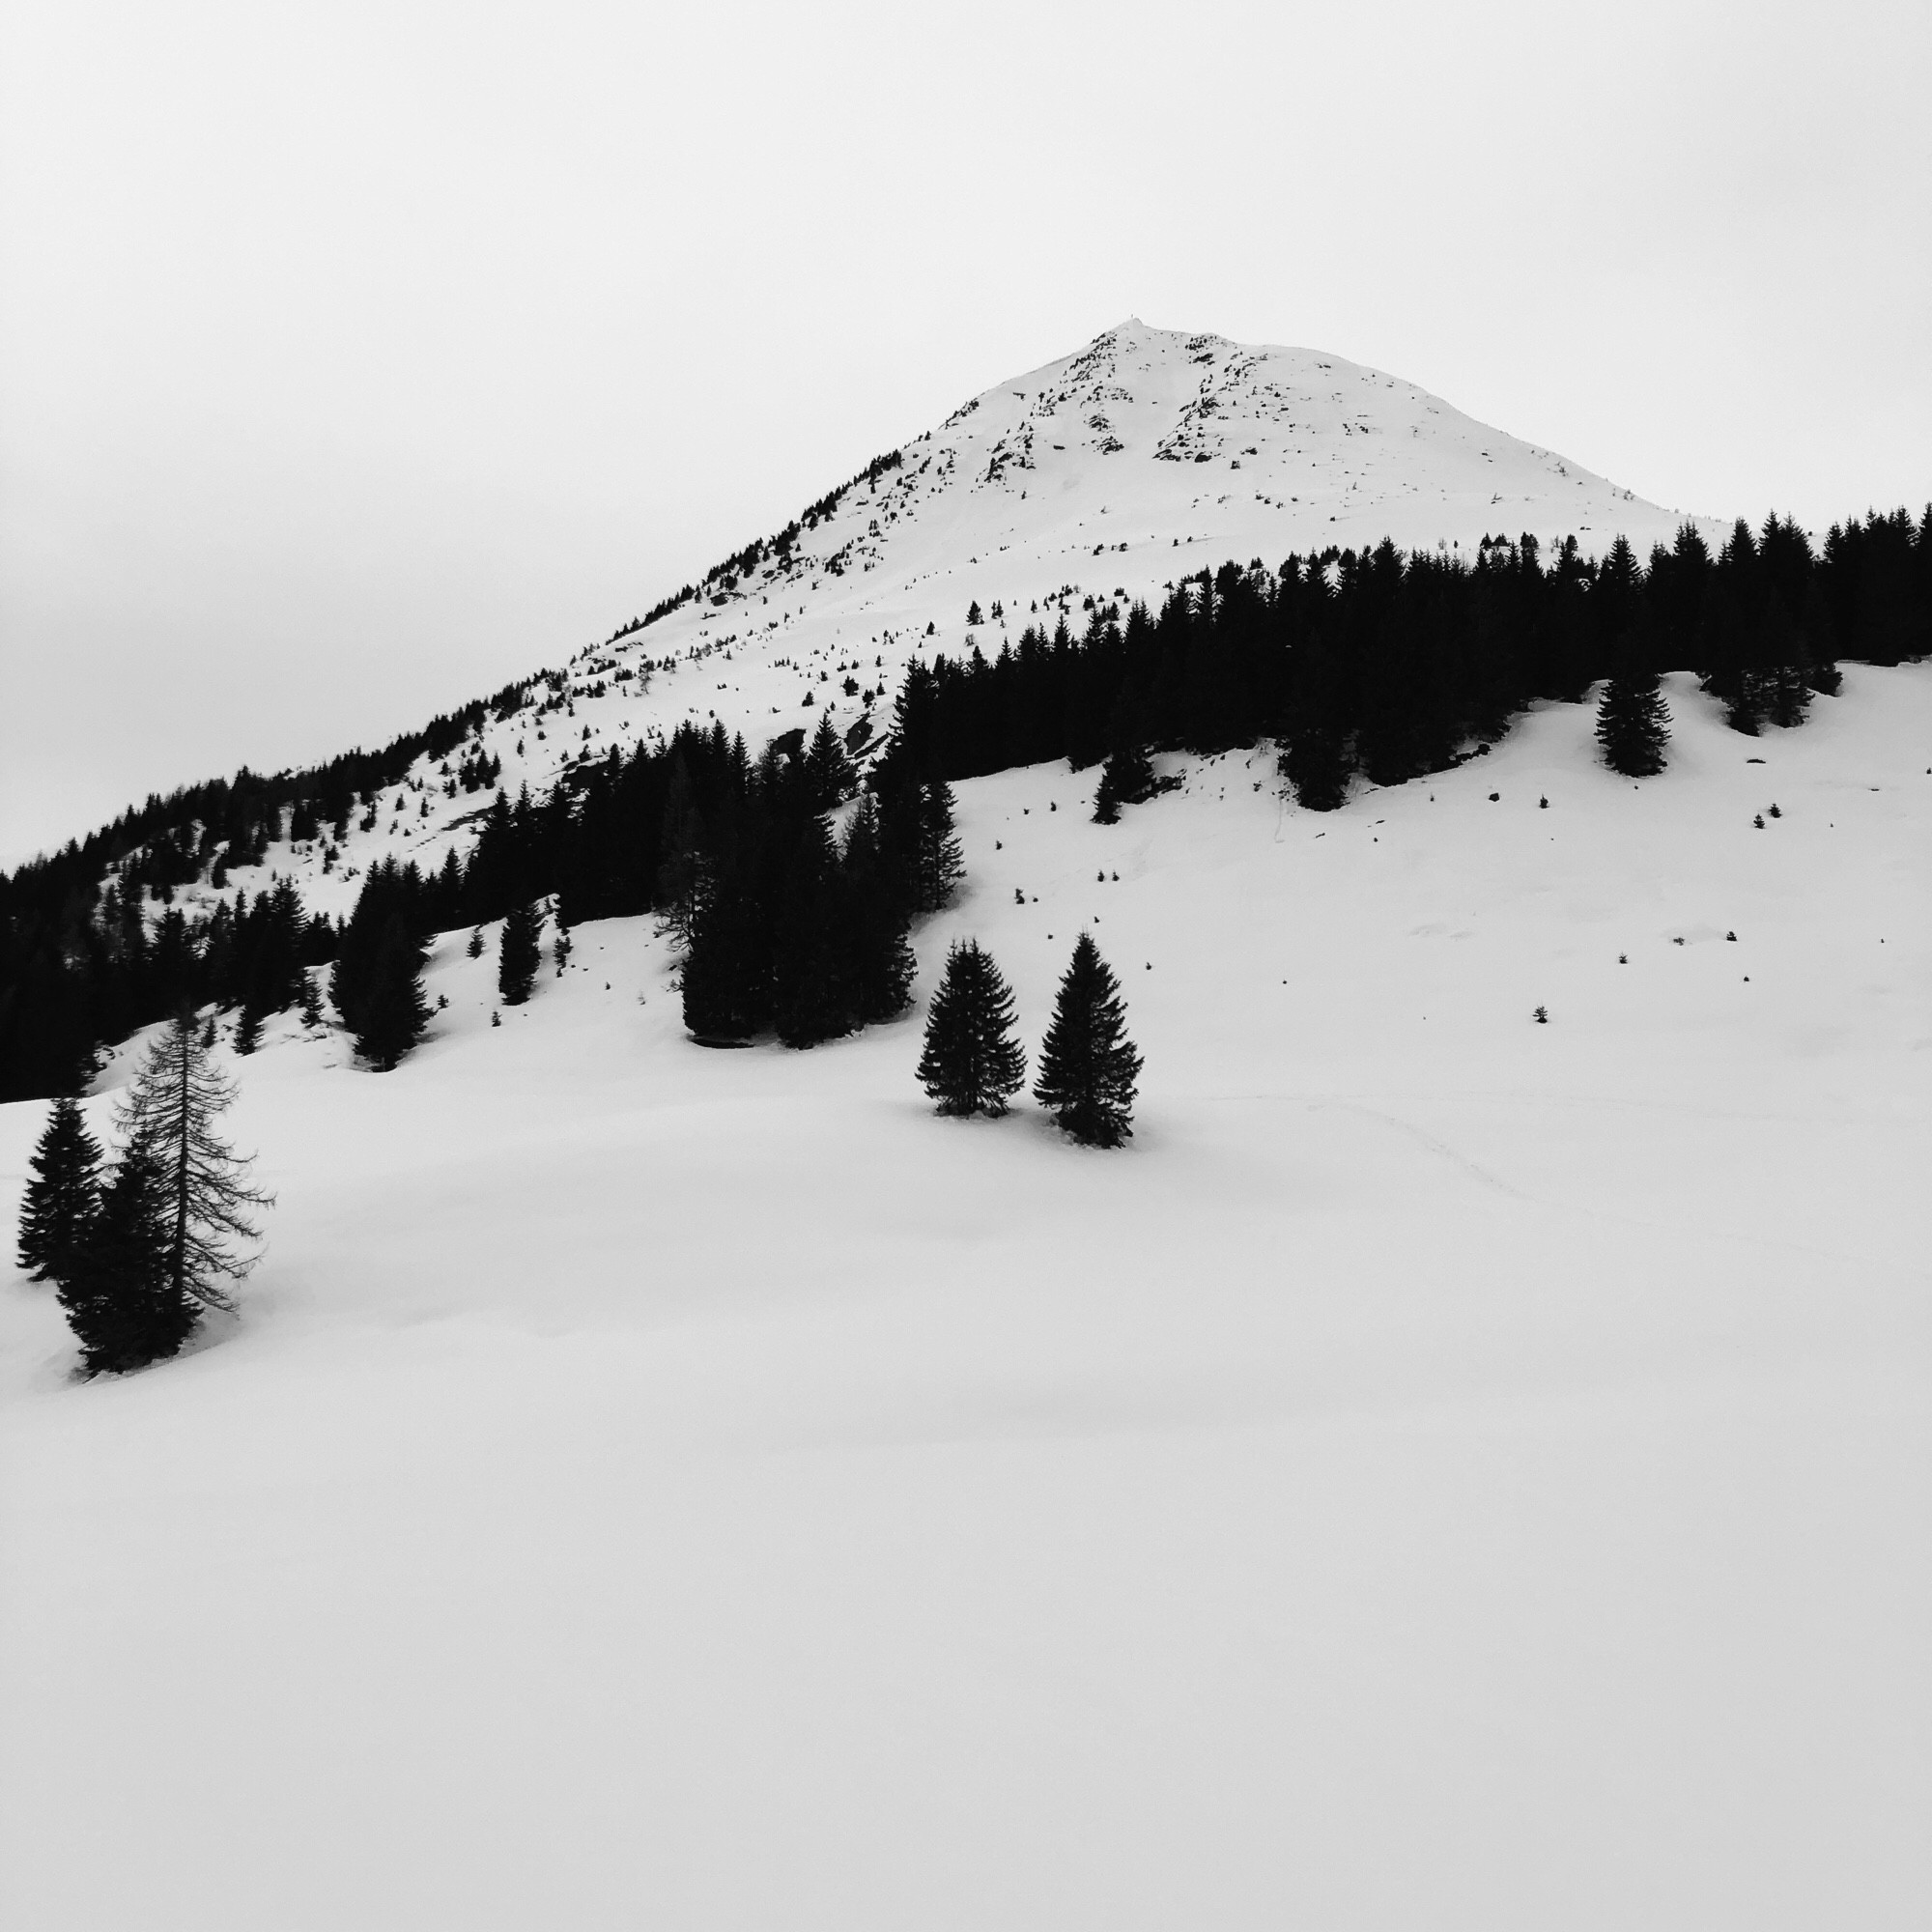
1447	1471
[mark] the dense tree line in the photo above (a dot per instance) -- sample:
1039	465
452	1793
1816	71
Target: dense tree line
1390	664
1371	663
781	925
80	966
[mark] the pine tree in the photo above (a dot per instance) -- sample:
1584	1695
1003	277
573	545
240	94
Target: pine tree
1088	1066
62	1196
519	953
167	1118
939	864
971	1062
1126	778
726	977
248	1031
1632	720
829	774
882	966
120	1293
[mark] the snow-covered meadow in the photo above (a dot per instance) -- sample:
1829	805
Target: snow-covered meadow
1449	1471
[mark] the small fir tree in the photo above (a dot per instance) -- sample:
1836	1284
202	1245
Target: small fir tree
829	773
939	866
970	1064
1126	778
1088	1066
119	1294
392	1014
1632	720
62	1196
519	953
168	1117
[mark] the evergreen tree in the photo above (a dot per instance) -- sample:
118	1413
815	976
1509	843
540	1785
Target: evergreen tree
939	864
1788	668
811	998
167	1118
392	1012
1632	720
829	774
120	1293
248	1031
377	979
62	1196
519	953
971	1062
1126	778
882	967
725	978
1088	1066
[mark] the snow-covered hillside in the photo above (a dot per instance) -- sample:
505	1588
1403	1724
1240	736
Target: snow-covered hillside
1448	1472
1109	475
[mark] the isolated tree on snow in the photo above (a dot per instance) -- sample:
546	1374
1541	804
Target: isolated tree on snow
1088	1066
1632	720
971	1062
519	953
62	1196
120	1293
168	1118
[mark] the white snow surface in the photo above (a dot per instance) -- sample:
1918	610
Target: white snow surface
1449	1471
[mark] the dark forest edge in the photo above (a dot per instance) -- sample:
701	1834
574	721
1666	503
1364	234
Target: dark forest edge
1373	664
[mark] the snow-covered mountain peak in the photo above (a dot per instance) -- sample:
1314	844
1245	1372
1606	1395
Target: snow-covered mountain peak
1146	455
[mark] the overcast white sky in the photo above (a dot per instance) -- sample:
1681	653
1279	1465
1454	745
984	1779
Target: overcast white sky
355	359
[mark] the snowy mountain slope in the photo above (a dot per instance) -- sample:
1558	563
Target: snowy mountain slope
1447	1471
1109	472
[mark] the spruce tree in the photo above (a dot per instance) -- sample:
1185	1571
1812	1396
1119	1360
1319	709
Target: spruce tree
62	1196
829	774
939	866
882	967
168	1116
392	1014
1126	778
519	953
971	1062
1088	1066
120	1293
726	976
1632	720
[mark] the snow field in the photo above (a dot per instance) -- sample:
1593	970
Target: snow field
1447	1471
